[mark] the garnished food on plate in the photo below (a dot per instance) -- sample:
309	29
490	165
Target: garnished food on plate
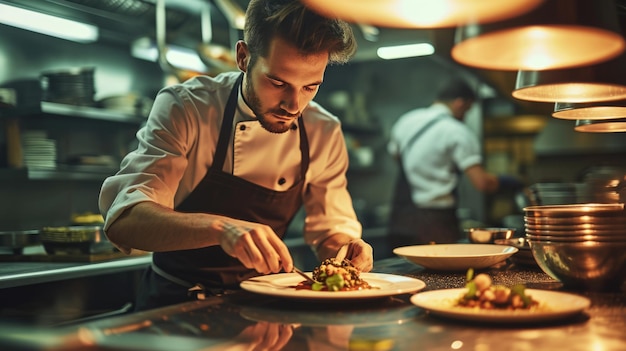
483	294
335	275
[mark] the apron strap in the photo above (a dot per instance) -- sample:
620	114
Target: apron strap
198	290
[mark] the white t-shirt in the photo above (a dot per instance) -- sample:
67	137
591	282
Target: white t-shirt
433	161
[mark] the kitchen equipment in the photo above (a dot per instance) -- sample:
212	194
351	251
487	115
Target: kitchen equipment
303	275
73	86
581	245
524	255
217	57
489	235
15	241
160	21
592	265
75	240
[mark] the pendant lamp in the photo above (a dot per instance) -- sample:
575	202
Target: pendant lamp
421	13
590	111
601	126
558	34
605	81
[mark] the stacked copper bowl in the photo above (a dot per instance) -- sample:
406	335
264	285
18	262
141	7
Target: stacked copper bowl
581	245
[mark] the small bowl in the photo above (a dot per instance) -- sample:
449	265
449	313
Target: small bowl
489	235
589	265
523	256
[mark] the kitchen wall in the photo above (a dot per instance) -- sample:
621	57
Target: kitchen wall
367	96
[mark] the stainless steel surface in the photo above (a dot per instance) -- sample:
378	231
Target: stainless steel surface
607	211
489	235
245	321
524	255
13	274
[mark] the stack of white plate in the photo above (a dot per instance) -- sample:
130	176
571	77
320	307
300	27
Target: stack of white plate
39	150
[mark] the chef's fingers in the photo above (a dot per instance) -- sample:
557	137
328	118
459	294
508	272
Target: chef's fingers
360	255
266	259
286	261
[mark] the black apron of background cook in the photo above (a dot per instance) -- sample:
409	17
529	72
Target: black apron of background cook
225	194
410	224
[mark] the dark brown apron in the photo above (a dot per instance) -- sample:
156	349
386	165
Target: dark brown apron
412	225
225	194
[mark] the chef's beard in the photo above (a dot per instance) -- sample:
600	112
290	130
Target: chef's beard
253	101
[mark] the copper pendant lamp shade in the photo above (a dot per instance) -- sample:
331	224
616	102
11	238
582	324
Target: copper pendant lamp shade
605	81
421	13
590	111
558	34
601	126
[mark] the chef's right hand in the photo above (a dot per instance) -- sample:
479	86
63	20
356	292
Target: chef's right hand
256	246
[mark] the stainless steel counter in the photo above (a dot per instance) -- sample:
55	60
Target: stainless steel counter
242	321
13	274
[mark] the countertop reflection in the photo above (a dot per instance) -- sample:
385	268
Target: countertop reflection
244	321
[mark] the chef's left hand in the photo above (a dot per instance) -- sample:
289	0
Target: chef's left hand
359	253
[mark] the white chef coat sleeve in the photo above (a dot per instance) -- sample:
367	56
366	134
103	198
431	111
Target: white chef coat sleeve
152	172
466	151
328	205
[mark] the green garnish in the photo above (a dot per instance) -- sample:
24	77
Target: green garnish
469	276
335	282
520	290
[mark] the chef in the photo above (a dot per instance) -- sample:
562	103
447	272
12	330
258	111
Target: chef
223	164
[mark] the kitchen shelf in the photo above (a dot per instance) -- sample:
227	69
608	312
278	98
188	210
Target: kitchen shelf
65	110
65	173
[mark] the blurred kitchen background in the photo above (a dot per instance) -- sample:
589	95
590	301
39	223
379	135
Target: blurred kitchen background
69	111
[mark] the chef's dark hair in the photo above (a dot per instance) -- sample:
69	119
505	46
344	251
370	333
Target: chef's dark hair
454	88
299	26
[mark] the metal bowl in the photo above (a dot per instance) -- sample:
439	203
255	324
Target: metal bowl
577	220
577	227
489	235
617	233
578	238
75	240
576	210
588	265
523	256
15	241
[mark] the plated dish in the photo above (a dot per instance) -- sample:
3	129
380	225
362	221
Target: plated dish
284	285
554	306
455	257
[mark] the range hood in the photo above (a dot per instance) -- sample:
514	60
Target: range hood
558	137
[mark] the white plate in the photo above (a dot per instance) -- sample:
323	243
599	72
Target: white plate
283	285
554	305
455	257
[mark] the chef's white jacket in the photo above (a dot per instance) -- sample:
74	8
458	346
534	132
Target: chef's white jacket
176	147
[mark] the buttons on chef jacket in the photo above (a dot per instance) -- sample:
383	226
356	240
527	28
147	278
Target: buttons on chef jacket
242	127
282	181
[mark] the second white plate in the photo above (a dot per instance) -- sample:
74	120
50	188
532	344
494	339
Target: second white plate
553	305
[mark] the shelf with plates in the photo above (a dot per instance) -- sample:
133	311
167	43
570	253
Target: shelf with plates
89	112
78	172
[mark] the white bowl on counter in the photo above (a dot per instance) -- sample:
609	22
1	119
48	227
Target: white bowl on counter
455	257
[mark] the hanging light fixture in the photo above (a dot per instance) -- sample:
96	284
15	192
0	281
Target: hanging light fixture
559	34
601	126
421	13
605	81
590	111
